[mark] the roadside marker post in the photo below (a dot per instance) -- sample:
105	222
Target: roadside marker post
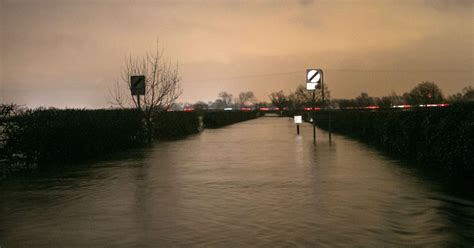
298	120
314	81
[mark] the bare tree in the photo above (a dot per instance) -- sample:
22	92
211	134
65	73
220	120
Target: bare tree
466	95
247	97
303	97
218	104
425	93
8	109
226	98
161	82
364	100
200	106
391	100
279	99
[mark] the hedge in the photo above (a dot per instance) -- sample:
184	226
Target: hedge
51	136
223	118
441	138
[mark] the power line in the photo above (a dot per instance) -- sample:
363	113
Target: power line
337	70
392	70
250	76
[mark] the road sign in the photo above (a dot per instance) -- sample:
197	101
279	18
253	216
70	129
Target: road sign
137	85
314	79
298	119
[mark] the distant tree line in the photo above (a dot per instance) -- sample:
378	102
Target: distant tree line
246	99
224	100
298	99
423	93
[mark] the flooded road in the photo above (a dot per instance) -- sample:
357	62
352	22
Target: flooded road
251	184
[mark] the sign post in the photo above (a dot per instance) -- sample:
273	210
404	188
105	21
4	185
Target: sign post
314	80
298	121
137	87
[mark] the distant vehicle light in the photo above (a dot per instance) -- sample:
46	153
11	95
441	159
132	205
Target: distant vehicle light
434	105
227	109
245	109
308	109
372	107
188	109
264	109
437	105
402	106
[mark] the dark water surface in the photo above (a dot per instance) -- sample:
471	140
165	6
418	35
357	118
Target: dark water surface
251	184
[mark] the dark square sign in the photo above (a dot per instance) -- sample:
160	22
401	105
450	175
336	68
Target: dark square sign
137	85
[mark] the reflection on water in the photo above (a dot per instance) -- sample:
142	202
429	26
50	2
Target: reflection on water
249	184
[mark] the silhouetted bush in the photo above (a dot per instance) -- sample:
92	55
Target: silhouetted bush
223	118
52	136
171	125
441	138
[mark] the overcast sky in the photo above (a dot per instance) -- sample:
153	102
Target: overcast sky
68	53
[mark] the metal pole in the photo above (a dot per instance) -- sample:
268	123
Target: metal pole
324	105
313	117
322	88
298	129
138	99
330	133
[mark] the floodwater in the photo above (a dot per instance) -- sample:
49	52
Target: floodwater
251	184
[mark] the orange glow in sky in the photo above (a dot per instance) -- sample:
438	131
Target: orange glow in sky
69	53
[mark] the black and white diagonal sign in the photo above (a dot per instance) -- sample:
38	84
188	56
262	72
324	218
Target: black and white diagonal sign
313	79
313	76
